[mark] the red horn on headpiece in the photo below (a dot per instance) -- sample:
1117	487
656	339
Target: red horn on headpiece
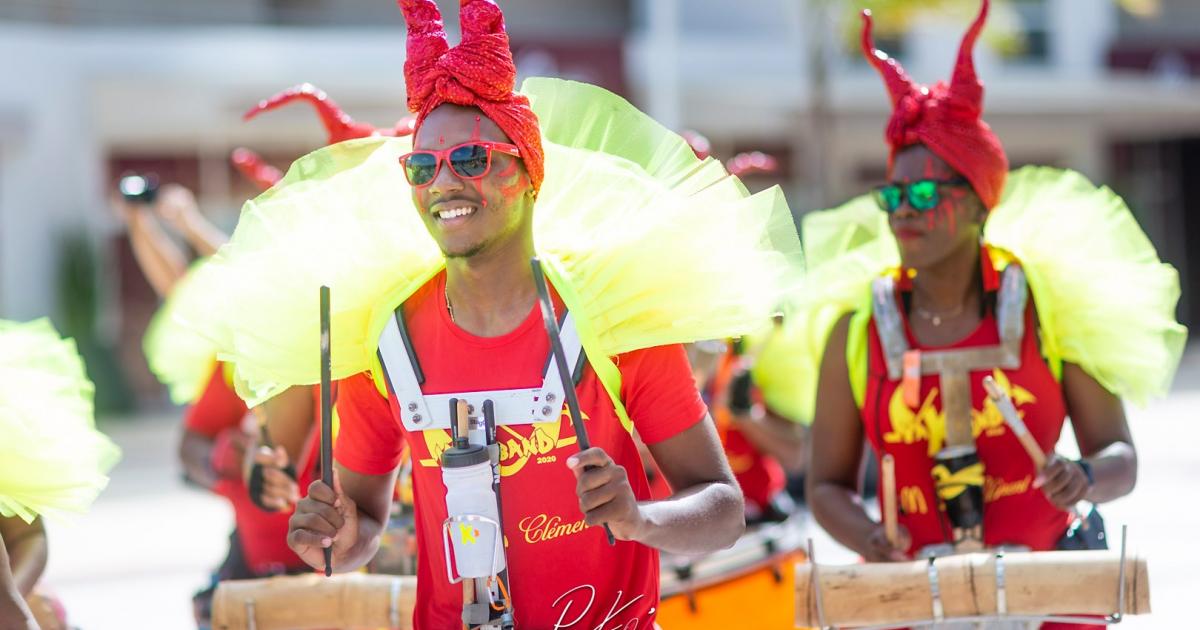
405	126
477	18
426	44
480	67
338	124
253	167
964	84
898	83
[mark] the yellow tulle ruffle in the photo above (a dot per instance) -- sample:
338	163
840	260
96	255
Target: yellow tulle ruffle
1105	301
53	461
647	244
178	356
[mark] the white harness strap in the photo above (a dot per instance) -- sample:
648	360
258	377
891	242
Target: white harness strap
1010	319
419	412
954	366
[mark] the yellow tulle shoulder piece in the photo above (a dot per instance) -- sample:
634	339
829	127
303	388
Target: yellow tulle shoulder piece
53	461
1105	301
647	244
845	248
342	217
657	245
178	356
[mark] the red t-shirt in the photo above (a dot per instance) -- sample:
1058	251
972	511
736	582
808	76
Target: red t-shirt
263	535
562	574
1014	511
218	407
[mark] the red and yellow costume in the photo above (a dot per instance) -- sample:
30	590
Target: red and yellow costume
613	188
1103	302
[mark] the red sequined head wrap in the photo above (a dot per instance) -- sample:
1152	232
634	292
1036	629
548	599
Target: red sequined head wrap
478	72
944	118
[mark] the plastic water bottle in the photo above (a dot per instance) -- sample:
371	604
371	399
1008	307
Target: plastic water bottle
476	542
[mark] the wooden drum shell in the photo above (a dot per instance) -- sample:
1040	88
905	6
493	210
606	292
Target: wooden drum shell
1037	583
311	602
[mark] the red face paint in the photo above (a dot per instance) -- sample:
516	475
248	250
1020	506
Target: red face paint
509	170
932	218
478	182
512	189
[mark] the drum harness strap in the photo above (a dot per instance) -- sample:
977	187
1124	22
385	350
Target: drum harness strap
958	468
419	412
511	407
953	366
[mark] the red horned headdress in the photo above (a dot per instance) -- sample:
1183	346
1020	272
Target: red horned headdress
478	72
339	127
945	118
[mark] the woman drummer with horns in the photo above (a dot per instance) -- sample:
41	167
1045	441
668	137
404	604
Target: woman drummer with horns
957	270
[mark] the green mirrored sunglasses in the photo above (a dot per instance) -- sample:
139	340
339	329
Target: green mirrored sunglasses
923	194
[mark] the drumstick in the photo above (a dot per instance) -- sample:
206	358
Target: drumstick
1009	412
463	418
560	360
468	597
326	413
888	468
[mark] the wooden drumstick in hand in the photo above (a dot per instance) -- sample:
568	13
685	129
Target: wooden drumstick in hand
1008	411
463	418
888	469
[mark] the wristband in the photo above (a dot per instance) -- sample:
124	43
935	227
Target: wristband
256	484
1087	471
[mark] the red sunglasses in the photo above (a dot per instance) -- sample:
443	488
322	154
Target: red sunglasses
469	160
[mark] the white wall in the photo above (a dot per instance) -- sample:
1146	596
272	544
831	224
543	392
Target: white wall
744	85
71	96
50	164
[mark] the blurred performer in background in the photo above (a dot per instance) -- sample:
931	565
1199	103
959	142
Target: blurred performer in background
764	447
957	270
224	448
53	461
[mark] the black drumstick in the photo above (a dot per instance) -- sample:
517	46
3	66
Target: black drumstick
560	359
326	413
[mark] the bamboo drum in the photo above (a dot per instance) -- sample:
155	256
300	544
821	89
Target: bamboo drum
310	602
1038	583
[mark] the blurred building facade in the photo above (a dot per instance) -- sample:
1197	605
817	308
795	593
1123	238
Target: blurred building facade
94	88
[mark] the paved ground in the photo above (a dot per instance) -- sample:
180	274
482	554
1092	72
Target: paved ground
134	561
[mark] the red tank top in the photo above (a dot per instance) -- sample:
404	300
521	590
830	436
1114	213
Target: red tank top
1014	511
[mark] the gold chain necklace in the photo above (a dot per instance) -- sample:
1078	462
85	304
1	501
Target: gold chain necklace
937	318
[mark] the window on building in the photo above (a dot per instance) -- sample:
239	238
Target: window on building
1034	31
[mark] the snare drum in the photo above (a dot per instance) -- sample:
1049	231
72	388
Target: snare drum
750	585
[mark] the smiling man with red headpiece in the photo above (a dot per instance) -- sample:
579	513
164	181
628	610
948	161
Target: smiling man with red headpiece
475	172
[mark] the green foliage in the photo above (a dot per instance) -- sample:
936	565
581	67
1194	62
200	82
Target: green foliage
79	299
